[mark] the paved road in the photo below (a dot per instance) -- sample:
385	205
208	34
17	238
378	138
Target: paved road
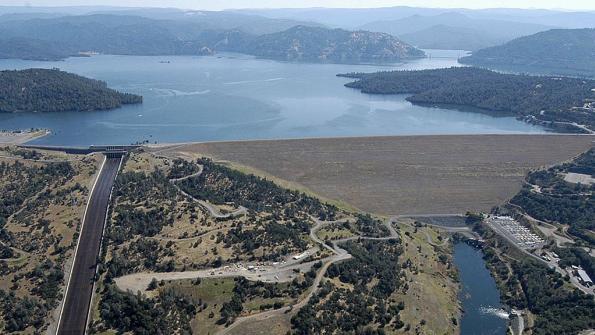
73	319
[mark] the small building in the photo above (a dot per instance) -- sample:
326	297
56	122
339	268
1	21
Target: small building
302	255
584	278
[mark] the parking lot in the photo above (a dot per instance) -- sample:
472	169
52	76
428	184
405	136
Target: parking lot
515	232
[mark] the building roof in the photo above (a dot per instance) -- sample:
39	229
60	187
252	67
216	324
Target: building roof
584	276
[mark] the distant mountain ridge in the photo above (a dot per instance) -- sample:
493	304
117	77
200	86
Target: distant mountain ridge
554	52
57	38
448	28
447	38
352	18
454	30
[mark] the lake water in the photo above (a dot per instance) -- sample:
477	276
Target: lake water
235	97
479	295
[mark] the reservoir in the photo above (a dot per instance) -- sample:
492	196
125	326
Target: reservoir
237	97
479	295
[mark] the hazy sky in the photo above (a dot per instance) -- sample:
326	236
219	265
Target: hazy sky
222	4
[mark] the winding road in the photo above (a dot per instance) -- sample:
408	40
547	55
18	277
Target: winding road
282	272
205	205
340	255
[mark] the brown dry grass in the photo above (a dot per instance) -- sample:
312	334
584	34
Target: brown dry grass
64	221
404	174
432	293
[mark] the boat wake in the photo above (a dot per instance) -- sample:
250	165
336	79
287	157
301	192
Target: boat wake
171	92
252	81
499	312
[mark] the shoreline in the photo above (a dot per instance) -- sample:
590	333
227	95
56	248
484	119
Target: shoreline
19	137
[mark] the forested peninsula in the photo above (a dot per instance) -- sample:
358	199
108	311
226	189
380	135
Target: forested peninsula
52	90
562	104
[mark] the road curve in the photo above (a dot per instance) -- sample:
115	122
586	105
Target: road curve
205	205
73	317
295	307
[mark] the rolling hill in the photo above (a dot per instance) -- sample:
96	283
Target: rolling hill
303	43
556	52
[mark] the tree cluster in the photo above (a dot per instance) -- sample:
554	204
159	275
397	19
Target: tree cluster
42	90
375	274
220	184
169	313
560	201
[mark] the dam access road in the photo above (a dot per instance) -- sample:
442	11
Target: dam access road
74	314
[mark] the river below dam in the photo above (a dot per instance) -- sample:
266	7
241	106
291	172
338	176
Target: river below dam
479	296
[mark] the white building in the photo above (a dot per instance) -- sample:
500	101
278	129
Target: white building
584	278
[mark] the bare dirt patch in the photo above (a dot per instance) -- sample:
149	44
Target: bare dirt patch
579	178
404	174
20	137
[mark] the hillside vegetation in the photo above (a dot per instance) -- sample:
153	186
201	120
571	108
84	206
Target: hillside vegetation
560	201
43	200
26	48
557	52
559	103
42	90
337	45
160	224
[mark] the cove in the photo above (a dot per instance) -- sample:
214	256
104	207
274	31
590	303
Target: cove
238	97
